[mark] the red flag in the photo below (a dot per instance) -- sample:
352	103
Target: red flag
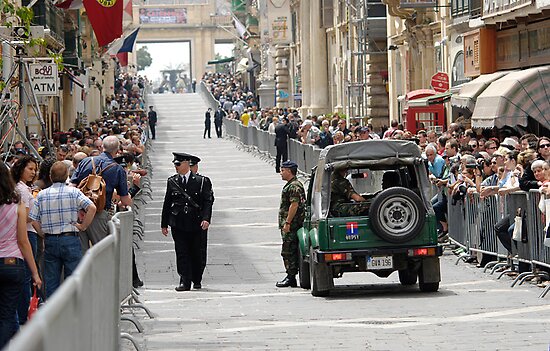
106	19
128	14
122	59
69	4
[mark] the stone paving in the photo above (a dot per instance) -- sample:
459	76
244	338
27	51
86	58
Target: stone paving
239	306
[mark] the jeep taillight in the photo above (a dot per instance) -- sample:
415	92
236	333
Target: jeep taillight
337	257
424	251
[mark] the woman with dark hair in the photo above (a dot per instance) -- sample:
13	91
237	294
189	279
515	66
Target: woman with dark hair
15	249
44	180
23	173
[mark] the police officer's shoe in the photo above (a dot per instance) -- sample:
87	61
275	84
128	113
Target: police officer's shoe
184	286
289	280
197	286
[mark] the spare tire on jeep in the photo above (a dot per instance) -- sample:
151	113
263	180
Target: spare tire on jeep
397	215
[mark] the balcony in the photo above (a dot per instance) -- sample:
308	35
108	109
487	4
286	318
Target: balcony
48	16
470	8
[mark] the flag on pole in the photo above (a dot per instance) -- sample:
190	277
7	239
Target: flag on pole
128	14
106	19
70	4
241	29
122	59
124	44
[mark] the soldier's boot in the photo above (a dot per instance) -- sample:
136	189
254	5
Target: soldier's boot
289	281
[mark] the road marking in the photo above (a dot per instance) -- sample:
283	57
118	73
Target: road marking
221	295
394	323
472	282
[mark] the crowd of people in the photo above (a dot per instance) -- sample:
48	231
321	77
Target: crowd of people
47	221
462	161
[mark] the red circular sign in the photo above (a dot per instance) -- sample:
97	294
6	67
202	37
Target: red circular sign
440	82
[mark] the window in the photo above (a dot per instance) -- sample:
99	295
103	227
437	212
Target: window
327	14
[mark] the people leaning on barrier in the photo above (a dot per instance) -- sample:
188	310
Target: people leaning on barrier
15	255
57	212
539	170
528	180
512	172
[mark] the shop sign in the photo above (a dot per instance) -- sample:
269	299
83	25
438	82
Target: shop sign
43	79
440	82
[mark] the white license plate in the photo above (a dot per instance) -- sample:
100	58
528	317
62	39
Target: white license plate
379	262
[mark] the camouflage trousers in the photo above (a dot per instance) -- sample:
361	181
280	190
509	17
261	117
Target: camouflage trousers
350	209
290	252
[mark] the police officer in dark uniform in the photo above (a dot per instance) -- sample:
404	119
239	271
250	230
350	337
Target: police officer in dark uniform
281	138
187	209
194	165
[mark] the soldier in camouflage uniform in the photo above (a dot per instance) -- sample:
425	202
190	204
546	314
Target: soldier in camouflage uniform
291	218
341	196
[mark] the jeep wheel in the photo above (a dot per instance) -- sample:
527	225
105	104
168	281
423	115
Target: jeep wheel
397	215
407	276
426	287
319	276
305	282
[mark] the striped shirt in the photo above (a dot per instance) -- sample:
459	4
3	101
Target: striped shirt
56	208
8	231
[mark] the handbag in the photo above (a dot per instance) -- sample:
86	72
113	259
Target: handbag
518	225
547	237
34	303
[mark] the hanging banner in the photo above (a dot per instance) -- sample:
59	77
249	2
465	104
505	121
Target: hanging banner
44	80
279	19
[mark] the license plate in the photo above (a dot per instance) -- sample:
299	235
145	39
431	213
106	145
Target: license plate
379	262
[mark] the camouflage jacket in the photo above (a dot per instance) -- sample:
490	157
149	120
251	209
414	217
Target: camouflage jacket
340	190
293	191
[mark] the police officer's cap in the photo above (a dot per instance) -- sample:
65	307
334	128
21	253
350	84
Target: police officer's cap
182	156
194	160
289	164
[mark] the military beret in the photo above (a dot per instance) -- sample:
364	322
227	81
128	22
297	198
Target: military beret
289	164
194	160
181	156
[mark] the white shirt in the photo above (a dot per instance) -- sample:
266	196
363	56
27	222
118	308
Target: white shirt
185	177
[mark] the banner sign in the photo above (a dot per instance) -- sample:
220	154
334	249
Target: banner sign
43	79
162	16
279	20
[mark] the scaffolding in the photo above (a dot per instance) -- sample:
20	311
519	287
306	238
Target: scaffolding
13	111
367	63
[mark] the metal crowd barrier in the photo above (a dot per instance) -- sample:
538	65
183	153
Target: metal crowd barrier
472	226
207	96
84	312
261	141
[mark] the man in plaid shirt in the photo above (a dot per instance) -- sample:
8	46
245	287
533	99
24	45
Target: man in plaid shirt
56	212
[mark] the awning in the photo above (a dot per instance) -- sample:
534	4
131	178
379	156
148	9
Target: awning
73	78
430	100
468	93
510	100
415	94
224	60
242	66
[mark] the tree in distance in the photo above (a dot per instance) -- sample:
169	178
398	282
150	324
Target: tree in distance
143	58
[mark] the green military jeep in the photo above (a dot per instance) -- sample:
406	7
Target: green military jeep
395	229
